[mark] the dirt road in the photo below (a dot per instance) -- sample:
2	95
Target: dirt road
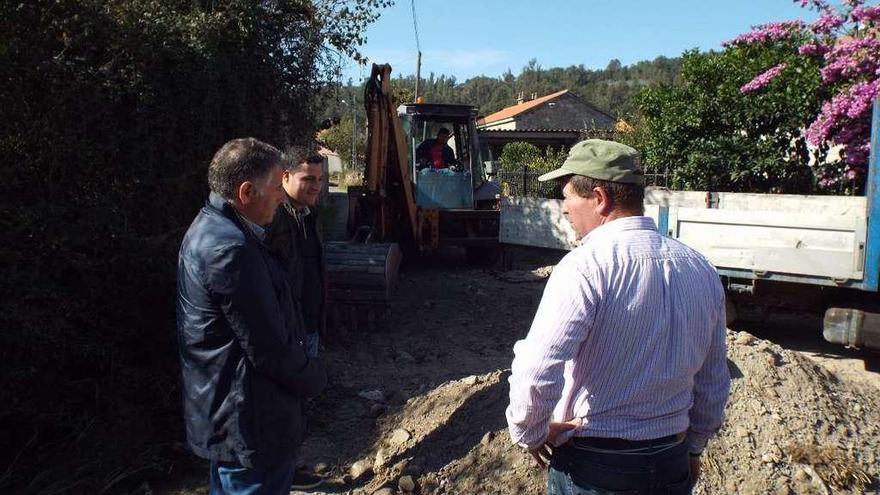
420	403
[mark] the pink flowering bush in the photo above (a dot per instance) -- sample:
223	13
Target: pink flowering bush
763	80
846	42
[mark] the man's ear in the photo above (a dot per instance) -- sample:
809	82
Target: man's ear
603	207
246	192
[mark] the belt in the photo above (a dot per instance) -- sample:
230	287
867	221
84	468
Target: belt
623	444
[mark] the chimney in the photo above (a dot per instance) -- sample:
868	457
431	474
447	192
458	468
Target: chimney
534	96
520	98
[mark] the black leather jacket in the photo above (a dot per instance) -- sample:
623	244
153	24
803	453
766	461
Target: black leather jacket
240	334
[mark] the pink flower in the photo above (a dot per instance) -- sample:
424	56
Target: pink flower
866	14
852	58
762	80
813	49
826	24
774	31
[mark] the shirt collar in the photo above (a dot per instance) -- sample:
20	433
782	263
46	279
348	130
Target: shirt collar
621	225
257	229
296	212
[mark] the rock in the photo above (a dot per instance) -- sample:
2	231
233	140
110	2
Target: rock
361	469
400	467
379	460
384	491
373	395
377	410
744	339
399	437
741	432
731	486
783	489
322	467
801	475
406	483
768	458
346	478
487	438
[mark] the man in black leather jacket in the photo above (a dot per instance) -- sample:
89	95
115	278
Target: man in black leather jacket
241	338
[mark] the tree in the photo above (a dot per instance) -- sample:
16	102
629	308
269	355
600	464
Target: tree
109	115
339	139
714	137
844	46
517	154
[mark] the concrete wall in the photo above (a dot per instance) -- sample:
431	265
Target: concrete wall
566	112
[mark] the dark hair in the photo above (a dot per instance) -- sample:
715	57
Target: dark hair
296	155
443	130
240	161
624	196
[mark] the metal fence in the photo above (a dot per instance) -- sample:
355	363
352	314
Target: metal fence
524	183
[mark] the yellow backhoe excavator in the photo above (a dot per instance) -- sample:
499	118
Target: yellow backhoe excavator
413	199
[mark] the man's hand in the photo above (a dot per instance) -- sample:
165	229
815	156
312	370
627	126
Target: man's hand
695	469
544	453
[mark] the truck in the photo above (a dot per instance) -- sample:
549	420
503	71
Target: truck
800	252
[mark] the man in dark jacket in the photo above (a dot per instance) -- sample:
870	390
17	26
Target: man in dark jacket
241	338
295	238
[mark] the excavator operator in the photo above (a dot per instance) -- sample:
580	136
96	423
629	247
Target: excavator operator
435	153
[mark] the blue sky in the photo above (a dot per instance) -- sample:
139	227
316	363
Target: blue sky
468	38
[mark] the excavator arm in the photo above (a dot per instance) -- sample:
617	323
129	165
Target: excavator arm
387	201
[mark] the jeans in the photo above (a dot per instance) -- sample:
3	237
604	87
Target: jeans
229	479
311	344
581	470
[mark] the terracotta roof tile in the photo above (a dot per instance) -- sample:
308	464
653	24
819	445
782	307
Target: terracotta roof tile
506	113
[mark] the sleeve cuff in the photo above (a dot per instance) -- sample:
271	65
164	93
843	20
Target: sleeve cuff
696	443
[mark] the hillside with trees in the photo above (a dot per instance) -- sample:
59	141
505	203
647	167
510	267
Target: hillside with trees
612	89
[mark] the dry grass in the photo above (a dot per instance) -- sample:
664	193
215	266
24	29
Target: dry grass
832	464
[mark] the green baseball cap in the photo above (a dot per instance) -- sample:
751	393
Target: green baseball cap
603	160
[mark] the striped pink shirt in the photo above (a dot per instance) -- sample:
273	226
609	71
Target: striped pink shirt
629	337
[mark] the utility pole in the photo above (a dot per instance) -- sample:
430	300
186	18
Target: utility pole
354	130
418	50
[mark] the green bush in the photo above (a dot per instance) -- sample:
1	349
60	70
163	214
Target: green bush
109	115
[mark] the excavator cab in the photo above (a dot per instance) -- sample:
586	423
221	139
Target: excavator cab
443	154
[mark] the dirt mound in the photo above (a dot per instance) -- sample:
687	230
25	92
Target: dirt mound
791	428
420	404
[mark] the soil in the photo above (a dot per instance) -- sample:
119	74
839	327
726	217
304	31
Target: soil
418	405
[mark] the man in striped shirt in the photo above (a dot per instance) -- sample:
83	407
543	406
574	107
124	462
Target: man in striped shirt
622	378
